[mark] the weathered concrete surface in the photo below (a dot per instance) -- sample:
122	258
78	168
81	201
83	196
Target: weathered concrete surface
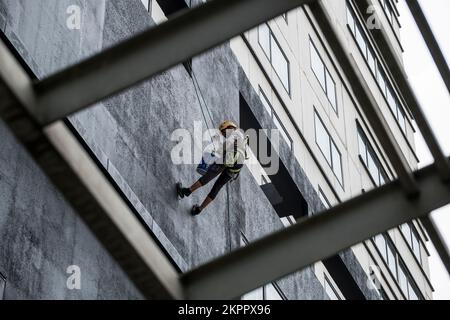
130	135
40	234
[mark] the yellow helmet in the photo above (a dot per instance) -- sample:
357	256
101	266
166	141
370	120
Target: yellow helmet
227	124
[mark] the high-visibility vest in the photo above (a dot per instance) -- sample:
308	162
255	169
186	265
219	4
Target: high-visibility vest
235	149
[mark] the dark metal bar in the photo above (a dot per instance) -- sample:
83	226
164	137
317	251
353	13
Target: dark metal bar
364	96
164	46
430	40
395	67
316	238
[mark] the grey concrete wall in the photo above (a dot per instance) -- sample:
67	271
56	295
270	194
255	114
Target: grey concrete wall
40	234
130	134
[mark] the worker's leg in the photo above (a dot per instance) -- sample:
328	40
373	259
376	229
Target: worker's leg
223	179
213	171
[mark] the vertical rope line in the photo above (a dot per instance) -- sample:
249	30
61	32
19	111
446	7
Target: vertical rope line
194	77
229	218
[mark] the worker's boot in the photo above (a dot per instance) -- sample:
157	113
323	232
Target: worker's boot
182	192
196	210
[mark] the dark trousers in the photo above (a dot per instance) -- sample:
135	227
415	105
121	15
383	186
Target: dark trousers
215	170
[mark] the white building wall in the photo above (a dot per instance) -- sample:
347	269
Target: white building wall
306	95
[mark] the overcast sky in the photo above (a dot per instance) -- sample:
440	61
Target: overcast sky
435	100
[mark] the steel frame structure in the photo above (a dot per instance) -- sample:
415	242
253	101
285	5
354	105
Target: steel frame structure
33	112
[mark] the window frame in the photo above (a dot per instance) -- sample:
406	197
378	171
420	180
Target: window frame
326	71
399	263
382	173
413	234
331	143
387	7
270	58
383	82
410	282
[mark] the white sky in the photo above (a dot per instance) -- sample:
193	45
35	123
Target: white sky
435	101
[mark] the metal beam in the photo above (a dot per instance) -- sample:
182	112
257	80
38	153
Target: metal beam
316	238
151	52
430	40
87	190
364	96
395	67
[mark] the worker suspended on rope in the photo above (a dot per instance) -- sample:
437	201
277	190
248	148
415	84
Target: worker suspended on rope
228	164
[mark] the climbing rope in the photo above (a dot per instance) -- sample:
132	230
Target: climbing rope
201	98
194	77
199	94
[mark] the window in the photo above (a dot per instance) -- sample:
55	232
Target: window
275	54
330	290
402	280
380	242
406	229
370	160
391	259
317	66
396	266
264	39
361	40
368	52
275	118
371	61
350	20
402	119
391	101
406	284
387	253
388	10
331	90
328	148
336	161
412	238
323	76
323	140
412	293
416	247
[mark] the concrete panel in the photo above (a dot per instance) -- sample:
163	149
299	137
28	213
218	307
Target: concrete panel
42	237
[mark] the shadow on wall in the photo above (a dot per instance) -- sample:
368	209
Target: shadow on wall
282	191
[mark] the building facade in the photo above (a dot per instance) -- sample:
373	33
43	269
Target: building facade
281	75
